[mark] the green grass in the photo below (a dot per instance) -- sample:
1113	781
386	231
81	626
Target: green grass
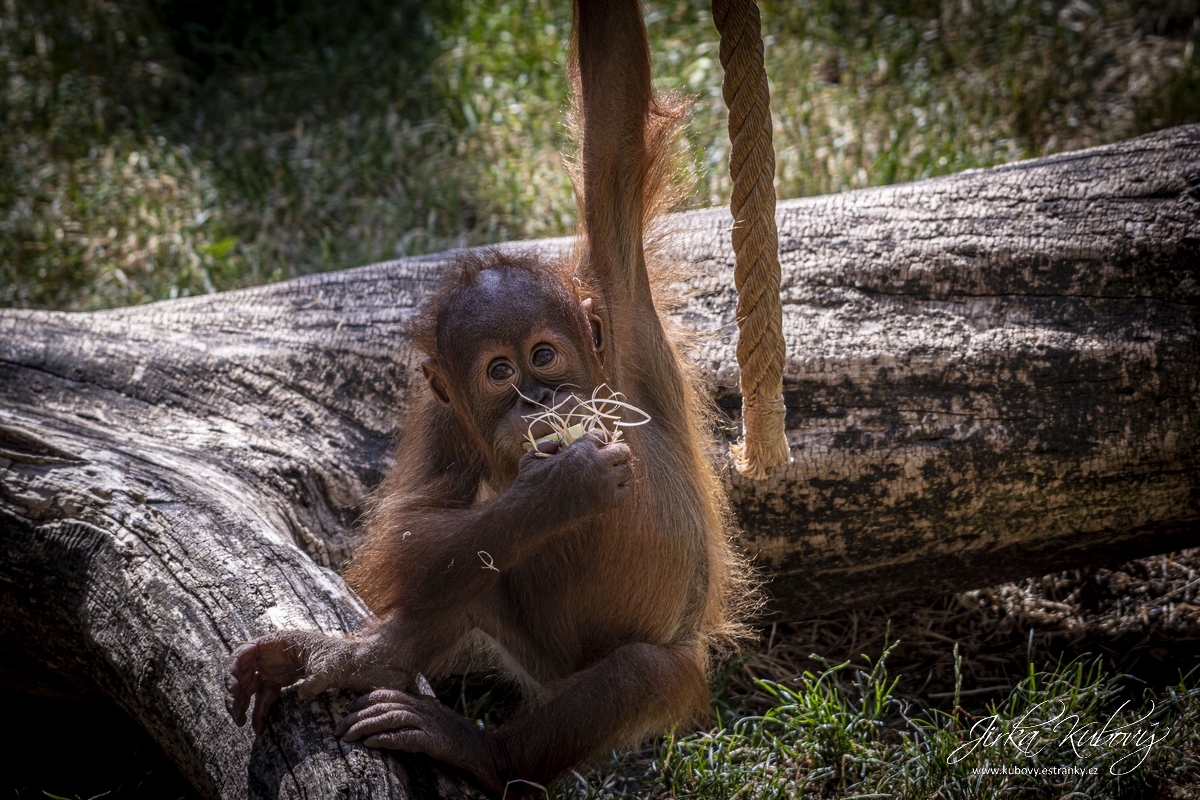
847	733
156	149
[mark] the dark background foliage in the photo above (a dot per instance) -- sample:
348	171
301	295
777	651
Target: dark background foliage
157	148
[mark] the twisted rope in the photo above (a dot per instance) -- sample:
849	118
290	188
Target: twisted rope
760	348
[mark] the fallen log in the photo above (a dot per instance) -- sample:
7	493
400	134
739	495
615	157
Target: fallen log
990	375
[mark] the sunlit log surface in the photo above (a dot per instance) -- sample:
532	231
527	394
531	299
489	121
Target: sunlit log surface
990	375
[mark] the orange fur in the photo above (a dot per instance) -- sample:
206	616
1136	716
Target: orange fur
602	576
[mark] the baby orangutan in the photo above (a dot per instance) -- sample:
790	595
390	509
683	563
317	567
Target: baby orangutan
597	573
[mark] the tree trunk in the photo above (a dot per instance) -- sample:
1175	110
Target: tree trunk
990	375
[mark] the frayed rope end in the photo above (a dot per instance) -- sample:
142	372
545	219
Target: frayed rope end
764	444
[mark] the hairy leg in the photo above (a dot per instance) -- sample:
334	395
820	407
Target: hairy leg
636	689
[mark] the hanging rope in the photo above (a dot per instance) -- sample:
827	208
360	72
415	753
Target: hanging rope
760	349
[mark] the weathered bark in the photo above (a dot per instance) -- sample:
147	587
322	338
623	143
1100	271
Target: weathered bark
990	375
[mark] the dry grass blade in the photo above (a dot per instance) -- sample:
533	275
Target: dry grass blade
596	414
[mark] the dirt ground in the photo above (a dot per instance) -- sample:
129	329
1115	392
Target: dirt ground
1142	618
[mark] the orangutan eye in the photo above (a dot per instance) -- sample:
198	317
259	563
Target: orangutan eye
501	371
542	356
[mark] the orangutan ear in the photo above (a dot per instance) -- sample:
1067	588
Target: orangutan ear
594	323
437	381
